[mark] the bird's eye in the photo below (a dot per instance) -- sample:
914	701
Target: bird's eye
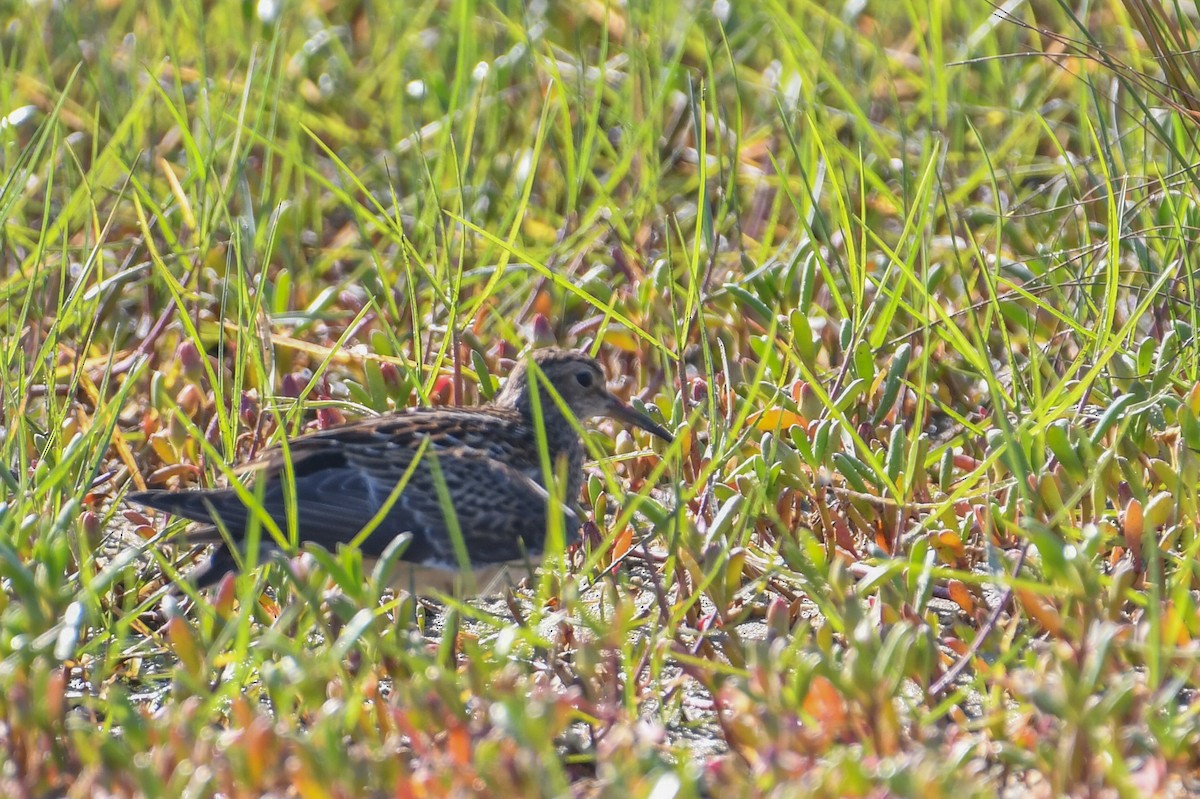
584	378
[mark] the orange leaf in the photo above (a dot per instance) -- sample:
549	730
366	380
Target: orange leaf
241	713
160	442
948	541
1040	610
884	539
458	744
622	543
269	606
775	419
303	781
825	704
622	340
966	463
226	595
961	596
183	642
165	473
1135	526
1173	627
135	517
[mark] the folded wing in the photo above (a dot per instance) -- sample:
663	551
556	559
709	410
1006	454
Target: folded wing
501	513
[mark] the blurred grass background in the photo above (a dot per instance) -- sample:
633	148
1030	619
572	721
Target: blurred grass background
910	280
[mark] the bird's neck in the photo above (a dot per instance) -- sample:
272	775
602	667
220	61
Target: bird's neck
517	394
561	435
563	444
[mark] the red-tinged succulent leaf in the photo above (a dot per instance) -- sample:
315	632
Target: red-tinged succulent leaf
329	417
845	538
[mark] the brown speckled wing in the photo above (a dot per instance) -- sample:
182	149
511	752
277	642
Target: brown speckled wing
345	475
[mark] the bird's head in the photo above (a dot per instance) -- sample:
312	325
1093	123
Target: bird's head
579	380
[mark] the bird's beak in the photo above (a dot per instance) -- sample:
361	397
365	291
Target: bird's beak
629	415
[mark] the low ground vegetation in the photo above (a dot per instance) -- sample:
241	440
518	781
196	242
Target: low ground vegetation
910	282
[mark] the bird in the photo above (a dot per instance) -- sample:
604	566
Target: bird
479	469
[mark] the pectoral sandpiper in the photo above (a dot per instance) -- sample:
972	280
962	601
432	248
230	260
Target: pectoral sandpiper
484	463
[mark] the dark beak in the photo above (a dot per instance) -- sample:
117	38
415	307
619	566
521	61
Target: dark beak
627	414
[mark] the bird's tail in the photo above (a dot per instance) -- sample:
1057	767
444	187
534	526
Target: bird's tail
198	506
195	505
